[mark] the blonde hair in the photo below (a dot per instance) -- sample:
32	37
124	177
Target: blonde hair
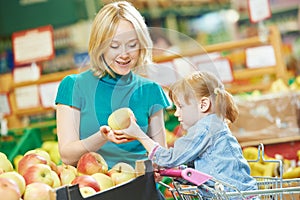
206	84
104	27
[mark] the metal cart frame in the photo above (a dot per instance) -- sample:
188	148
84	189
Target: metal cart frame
187	183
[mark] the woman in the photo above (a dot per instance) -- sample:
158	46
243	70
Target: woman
119	44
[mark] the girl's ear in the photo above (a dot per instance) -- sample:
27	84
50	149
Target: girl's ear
204	104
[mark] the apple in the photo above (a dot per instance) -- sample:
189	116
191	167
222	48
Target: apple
38	173
86	180
40	191
18	178
5	164
29	160
120	118
56	179
87	191
52	148
9	189
40	152
16	160
121	172
91	163
67	174
103	180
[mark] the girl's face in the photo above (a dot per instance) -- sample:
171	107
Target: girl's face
187	114
124	49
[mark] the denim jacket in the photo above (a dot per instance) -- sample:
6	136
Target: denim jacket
214	150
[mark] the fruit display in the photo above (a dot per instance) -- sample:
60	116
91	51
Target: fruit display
37	176
261	166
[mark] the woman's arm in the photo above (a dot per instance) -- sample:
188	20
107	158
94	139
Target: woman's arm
157	130
70	146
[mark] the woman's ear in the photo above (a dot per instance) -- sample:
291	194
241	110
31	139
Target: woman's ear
204	104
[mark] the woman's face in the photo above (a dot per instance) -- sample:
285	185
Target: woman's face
124	50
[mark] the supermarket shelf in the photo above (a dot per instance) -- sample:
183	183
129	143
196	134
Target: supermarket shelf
270	141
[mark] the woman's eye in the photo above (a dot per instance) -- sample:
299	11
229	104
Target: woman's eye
114	46
132	45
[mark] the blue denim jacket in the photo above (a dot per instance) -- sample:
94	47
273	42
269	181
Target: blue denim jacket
214	150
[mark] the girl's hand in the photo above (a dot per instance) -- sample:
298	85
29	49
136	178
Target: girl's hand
109	135
132	132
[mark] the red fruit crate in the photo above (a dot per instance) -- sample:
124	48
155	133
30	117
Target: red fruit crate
141	188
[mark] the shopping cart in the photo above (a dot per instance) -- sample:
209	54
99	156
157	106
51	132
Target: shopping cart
190	184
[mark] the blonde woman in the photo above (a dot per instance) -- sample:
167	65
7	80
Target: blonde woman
119	45
203	108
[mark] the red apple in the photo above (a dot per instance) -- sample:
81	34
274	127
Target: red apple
67	174
40	191
91	163
29	160
18	178
103	180
9	189
86	180
86	191
121	172
40	152
38	173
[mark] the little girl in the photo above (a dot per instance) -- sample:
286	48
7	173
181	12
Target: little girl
203	108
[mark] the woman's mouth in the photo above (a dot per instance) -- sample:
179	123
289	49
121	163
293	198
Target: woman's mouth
123	62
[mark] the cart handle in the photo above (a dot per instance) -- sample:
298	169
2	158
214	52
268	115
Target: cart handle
189	174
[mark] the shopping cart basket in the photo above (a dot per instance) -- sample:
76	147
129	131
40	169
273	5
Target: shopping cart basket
188	183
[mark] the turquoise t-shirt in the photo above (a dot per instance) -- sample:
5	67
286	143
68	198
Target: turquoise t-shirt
98	98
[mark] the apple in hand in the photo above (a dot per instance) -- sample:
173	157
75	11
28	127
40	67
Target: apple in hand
121	172
103	180
9	189
67	173
91	163
38	173
86	180
120	118
87	191
40	191
29	160
18	178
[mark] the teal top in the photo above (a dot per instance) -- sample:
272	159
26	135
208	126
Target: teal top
98	98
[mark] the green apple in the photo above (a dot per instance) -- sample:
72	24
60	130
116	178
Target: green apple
121	173
104	181
120	119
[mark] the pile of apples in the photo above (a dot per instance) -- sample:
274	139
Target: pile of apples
37	176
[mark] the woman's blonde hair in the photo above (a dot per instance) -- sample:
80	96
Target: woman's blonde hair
205	84
104	27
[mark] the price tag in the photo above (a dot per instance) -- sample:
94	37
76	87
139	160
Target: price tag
33	45
4	104
262	56
47	93
259	10
27	97
220	67
26	73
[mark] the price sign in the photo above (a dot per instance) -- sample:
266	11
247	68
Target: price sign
259	10
33	45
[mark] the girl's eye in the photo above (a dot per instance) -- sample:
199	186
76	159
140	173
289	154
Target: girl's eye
114	45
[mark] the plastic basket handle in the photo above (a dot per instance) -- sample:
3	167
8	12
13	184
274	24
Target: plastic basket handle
194	176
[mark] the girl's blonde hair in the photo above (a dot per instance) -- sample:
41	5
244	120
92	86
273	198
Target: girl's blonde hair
103	29
206	84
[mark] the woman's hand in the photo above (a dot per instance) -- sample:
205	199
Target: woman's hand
110	135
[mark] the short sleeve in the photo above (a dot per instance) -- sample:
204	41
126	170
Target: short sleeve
66	93
158	99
